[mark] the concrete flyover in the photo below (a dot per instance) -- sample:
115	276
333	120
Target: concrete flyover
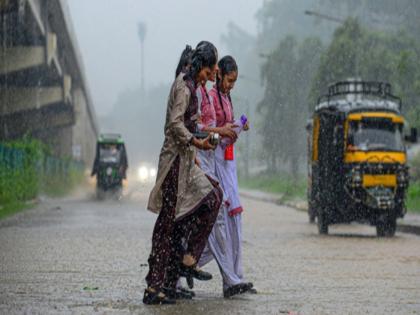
43	89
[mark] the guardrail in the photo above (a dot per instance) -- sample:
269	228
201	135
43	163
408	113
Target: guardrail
11	158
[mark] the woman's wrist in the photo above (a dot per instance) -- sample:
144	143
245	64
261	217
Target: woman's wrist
209	129
196	142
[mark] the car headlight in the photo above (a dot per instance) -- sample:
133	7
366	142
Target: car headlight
356	177
143	173
109	171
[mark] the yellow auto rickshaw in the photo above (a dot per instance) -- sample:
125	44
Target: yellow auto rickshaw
357	168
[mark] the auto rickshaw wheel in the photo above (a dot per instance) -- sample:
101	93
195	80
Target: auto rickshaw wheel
322	223
386	227
100	194
311	212
312	216
117	192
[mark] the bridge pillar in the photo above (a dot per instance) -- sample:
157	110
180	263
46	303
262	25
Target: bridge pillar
43	91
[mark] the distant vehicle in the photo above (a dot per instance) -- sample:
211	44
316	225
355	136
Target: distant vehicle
110	165
146	173
357	157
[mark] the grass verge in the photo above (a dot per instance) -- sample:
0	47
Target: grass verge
290	189
12	208
279	184
413	198
56	186
28	169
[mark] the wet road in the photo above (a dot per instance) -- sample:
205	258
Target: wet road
79	256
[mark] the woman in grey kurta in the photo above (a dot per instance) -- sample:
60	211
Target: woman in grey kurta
185	198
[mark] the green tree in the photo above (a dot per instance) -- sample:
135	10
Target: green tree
287	77
373	56
389	15
247	92
279	18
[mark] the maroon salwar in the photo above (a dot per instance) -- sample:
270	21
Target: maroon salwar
169	234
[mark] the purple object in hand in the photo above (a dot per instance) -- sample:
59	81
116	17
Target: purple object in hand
244	120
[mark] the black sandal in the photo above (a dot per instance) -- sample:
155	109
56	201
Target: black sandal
237	289
190	281
252	290
187	291
177	294
194	272
156	298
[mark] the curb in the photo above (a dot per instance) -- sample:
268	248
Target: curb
265	198
278	200
407	228
302	206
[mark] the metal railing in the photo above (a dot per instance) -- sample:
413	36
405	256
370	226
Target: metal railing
11	159
22	175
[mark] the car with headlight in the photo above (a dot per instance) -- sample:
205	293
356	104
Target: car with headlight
110	165
146	172
357	157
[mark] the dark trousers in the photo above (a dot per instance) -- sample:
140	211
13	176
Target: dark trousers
169	234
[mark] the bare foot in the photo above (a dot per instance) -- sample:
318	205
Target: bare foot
189	260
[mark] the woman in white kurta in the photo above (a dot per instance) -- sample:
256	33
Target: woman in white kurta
225	240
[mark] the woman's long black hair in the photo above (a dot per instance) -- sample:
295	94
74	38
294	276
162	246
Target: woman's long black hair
226	65
204	55
184	61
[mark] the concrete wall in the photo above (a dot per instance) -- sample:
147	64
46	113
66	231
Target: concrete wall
84	134
43	90
58	139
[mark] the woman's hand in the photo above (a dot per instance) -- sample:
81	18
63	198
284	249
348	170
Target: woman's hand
227	131
203	144
246	126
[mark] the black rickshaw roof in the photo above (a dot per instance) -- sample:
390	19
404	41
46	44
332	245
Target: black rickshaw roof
356	95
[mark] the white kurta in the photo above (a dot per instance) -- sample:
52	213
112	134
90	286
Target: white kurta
224	243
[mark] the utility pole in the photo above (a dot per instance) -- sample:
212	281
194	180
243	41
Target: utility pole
142	31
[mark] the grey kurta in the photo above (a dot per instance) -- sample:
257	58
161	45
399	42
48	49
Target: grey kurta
193	185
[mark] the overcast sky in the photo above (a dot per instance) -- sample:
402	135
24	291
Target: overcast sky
107	35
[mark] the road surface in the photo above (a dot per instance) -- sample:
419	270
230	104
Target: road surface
80	256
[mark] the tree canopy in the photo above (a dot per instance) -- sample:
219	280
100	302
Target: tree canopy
298	70
372	56
287	77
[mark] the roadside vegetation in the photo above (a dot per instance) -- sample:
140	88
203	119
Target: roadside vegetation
28	169
282	184
298	71
413	196
300	67
289	189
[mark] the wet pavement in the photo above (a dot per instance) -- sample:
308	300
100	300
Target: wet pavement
80	256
